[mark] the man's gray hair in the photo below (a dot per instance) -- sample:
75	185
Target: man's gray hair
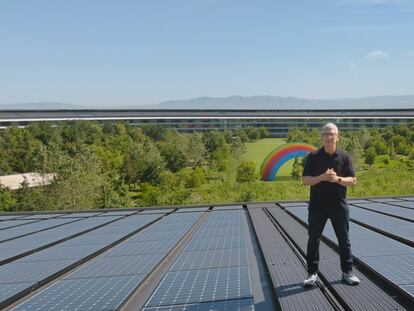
330	126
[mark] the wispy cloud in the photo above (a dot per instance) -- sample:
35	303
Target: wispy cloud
410	53
377	55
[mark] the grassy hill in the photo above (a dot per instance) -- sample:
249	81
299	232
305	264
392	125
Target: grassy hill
258	150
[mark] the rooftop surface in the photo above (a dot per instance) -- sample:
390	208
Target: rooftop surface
234	257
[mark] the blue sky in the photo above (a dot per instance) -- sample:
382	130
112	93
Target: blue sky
117	53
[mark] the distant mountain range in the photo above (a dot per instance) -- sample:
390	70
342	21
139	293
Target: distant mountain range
242	102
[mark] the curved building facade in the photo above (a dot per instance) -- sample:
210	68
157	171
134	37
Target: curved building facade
278	122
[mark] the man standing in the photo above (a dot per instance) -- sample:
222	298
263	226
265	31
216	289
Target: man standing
329	171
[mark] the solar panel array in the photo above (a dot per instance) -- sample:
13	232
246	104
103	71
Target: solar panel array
99	260
35	269
212	271
398	227
10	233
32	242
106	281
390	258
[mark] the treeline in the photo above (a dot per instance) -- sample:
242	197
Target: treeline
114	165
366	145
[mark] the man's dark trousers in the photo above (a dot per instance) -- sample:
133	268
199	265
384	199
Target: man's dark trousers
340	221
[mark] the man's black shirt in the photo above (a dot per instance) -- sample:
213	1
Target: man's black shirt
327	195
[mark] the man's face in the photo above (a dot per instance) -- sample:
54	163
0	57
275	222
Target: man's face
330	137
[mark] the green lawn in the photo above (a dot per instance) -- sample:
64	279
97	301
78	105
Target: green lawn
258	150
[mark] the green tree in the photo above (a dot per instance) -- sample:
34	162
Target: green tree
238	148
79	180
173	151
253	132
6	199
246	172
155	132
196	151
264	132
142	163
370	155
297	168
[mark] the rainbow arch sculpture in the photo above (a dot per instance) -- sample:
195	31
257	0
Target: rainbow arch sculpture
279	156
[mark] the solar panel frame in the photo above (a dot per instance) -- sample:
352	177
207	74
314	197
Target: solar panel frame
385	200
245	304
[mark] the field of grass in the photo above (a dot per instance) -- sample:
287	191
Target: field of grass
258	150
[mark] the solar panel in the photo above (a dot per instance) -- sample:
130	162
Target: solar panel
245	304
406	204
116	266
13	223
138	248
79	215
10	289
193	209
35	271
208	259
105	293
41	216
356	201
211	232
156	211
62	252
378	247
228	241
118	213
31	228
385	200
111	265
228	207
90	238
389	209
408	198
209	269
395	226
10	217
203	285
397	268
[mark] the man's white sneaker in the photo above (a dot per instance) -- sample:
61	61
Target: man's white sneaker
310	280
350	278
